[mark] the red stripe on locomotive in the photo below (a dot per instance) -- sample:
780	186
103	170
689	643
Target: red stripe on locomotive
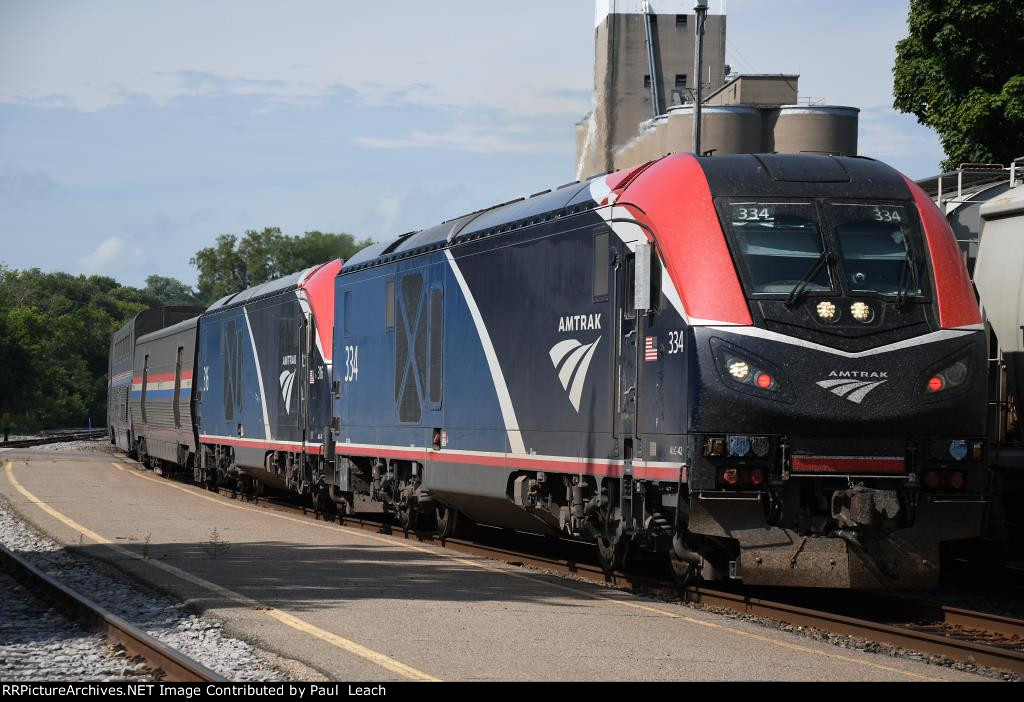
958	307
674	192
319	288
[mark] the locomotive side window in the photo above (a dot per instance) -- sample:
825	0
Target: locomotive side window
780	244
877	244
436	339
238	368
348	313
145	382
389	309
601	270
177	389
410	350
228	340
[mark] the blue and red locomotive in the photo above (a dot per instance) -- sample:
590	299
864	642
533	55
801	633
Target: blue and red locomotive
769	368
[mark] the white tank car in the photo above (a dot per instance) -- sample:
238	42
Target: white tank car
999	272
999	278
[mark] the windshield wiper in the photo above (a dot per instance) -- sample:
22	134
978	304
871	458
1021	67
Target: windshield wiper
908	280
801	287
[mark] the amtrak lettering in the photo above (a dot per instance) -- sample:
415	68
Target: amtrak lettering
853	385
580	322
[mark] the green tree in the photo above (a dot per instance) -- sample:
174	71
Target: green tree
55	328
55	334
170	291
234	264
961	72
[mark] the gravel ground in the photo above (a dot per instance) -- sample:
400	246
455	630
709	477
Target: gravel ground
1006	600
37	643
101	445
200	638
859	644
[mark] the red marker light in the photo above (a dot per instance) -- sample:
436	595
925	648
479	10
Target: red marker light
936	384
764	381
757	477
931	480
957	481
730	476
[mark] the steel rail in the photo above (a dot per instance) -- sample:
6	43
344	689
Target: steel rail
906	636
175	666
56	439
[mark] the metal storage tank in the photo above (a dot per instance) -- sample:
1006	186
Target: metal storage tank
623	156
825	129
640	149
679	136
659	139
731	129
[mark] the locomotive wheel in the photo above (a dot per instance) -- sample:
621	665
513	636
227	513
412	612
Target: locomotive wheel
410	519
684	571
446	521
611	555
406	519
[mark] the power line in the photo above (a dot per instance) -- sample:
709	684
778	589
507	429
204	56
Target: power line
748	66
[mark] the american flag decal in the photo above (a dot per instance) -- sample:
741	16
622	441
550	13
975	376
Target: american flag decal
651	349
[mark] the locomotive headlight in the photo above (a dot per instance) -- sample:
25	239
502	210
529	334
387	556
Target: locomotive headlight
739	369
956	374
861	312
952	376
743	370
827	311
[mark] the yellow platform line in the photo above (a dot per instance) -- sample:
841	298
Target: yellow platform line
618	600
289	620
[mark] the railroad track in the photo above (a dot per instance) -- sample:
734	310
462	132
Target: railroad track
175	667
54	439
978	638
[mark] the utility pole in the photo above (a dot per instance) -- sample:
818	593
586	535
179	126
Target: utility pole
701	9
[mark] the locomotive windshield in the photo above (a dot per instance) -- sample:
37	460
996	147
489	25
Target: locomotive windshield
781	244
875	243
793	248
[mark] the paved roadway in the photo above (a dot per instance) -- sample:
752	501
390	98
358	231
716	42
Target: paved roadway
361	606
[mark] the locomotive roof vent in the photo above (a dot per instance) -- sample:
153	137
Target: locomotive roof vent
800	168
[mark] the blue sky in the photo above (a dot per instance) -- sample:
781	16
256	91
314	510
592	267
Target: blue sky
133	133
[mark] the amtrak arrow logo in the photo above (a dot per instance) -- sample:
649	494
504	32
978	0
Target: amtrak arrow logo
287	380
853	390
572	361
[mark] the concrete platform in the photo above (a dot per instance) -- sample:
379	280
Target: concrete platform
361	606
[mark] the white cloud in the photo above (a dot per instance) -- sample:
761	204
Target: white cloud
106	253
98	54
473	138
900	141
